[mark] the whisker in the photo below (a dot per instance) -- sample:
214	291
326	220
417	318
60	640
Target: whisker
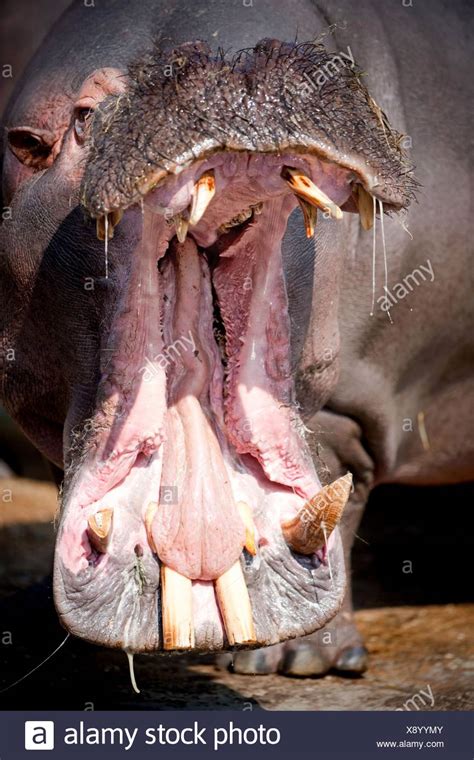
132	672
373	258
106	247
7	688
384	257
323	526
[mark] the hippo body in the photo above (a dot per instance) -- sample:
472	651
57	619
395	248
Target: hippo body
380	360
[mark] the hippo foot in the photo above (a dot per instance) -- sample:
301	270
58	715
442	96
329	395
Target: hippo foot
337	647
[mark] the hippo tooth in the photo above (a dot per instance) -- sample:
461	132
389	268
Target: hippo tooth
305	188
234	604
204	191
237	220
247	519
247	213
181	226
310	529
149	517
112	220
100	229
310	215
99	529
115	217
366	208
177	610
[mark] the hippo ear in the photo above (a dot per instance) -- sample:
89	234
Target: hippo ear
31	146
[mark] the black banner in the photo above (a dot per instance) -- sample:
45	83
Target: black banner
255	734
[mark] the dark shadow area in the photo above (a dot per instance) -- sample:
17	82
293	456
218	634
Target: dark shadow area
85	677
415	547
19	454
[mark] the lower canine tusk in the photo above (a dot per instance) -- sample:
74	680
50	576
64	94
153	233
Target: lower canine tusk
176	610
304	188
310	217
99	529
234	604
309	530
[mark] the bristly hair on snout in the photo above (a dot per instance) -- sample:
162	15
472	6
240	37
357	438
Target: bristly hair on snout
186	103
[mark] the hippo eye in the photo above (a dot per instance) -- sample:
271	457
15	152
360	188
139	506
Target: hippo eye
81	119
31	146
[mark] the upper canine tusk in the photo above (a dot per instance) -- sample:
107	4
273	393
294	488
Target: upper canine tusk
247	519
99	529
309	530
366	208
305	188
310	215
204	191
234	603
176	609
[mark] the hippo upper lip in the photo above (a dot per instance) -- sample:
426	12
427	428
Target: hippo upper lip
261	101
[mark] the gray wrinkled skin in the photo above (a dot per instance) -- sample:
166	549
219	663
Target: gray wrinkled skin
359	377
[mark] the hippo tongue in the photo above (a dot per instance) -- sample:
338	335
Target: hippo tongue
201	535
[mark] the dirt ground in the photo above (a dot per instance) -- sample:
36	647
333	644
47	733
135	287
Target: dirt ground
420	648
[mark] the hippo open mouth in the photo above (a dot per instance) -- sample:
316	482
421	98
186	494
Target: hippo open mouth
193	516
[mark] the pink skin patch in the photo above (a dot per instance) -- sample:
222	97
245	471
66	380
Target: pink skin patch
186	420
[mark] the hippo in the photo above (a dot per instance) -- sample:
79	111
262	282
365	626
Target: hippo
232	303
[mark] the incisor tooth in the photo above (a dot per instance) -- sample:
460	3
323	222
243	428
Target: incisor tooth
181	226
234	604
176	610
366	208
314	523
310	215
305	188
204	191
247	519
99	529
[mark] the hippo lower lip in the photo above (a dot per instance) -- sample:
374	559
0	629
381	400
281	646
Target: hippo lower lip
193	516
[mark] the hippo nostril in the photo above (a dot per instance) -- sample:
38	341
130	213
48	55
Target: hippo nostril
138	550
